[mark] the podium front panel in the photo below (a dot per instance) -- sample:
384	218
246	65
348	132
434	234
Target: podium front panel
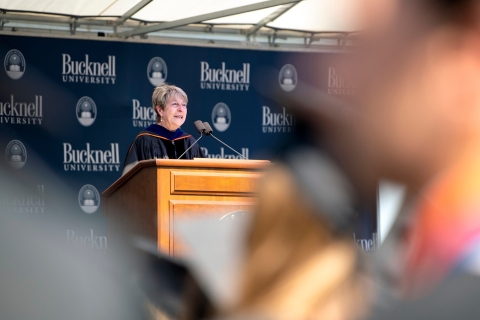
155	193
192	209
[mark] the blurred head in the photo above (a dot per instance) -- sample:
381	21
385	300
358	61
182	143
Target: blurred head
418	72
170	105
295	267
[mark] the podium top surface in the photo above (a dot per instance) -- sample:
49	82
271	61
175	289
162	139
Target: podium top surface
196	163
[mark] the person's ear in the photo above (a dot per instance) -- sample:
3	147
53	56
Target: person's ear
159	110
453	56
468	80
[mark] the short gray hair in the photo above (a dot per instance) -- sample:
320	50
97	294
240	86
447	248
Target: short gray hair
162	93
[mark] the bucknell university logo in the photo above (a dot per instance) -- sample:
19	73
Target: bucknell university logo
16	154
288	77
157	71
89	199
15	64
86	111
221	116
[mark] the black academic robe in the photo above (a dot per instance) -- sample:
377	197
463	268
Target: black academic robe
156	142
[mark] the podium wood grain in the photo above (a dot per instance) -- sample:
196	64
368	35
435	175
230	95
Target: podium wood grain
151	197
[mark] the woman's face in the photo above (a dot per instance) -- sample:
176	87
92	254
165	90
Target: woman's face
174	114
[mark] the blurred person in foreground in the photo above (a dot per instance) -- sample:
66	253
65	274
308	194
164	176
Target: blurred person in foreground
300	259
419	123
297	267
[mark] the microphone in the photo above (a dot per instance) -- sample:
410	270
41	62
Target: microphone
200	129
199	126
209	132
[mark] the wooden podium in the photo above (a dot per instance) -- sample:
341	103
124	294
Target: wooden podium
153	194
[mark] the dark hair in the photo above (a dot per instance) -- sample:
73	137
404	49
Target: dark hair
454	11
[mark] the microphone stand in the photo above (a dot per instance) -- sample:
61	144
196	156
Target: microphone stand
241	155
201	135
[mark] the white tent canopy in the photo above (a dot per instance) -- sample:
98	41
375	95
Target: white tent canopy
250	20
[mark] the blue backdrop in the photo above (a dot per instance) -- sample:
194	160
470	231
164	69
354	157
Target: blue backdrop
69	109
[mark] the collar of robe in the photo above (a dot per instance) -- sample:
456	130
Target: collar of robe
164	132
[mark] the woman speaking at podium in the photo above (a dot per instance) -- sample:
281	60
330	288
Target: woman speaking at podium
165	139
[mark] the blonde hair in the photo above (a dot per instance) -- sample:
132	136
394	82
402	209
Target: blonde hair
296	268
162	93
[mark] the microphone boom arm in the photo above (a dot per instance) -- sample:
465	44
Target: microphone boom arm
201	135
229	147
